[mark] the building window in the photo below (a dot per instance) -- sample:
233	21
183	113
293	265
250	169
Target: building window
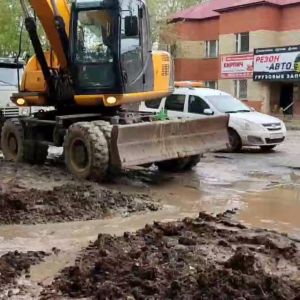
212	49
211	84
242	44
241	89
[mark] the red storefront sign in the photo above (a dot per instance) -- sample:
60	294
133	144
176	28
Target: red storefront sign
237	66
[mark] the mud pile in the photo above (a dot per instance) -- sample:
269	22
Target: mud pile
70	202
14	264
203	258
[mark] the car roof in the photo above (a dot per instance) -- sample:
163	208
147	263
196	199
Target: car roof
200	91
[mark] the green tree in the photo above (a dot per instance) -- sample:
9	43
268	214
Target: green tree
11	24
161	10
11	19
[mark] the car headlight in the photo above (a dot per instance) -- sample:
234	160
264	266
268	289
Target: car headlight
25	111
252	126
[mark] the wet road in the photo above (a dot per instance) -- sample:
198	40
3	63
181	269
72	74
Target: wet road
264	187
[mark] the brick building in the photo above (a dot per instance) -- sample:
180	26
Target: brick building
220	41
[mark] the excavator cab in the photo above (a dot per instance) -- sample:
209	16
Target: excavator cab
110	50
105	48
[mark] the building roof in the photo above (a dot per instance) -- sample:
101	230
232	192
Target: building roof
212	8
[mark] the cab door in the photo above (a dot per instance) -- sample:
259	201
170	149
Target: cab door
131	47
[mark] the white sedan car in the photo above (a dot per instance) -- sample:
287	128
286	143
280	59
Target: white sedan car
246	126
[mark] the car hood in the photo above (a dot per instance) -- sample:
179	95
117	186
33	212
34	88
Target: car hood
254	117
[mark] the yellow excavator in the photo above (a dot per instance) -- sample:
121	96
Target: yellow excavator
100	59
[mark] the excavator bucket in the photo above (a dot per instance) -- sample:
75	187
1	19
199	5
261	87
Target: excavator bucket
143	143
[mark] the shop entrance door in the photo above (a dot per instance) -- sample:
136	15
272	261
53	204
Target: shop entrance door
286	98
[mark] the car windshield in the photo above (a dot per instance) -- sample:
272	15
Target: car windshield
9	76
228	104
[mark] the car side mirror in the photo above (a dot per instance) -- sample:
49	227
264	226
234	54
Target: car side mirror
252	109
131	26
208	112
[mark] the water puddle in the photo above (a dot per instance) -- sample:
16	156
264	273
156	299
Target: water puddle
70	238
276	209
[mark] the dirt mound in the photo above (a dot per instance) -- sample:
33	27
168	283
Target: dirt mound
69	202
203	258
14	264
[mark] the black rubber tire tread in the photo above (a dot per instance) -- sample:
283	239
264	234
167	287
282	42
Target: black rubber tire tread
237	145
173	165
98	151
15	127
267	148
106	128
193	161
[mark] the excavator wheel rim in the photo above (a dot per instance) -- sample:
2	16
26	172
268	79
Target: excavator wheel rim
12	144
79	162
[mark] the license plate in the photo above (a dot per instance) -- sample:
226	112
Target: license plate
276	136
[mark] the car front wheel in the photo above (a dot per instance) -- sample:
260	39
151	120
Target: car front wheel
235	142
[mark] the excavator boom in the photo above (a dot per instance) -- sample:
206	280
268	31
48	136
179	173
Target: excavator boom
47	10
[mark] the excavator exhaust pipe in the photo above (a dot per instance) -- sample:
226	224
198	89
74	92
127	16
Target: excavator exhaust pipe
144	143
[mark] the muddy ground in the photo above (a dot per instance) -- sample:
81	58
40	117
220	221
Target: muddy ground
12	266
71	201
201	258
44	208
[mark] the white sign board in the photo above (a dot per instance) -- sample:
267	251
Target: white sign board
237	66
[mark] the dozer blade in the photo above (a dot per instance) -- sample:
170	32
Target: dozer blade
143	143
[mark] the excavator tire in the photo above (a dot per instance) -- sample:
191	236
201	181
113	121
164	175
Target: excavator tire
106	129
179	164
12	140
86	151
15	148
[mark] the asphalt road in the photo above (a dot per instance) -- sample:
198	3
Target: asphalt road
264	187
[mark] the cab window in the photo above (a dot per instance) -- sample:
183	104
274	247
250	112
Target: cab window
197	105
175	103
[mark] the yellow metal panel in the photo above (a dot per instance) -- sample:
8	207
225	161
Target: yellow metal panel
33	81
39	100
93	100
33	78
162	63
